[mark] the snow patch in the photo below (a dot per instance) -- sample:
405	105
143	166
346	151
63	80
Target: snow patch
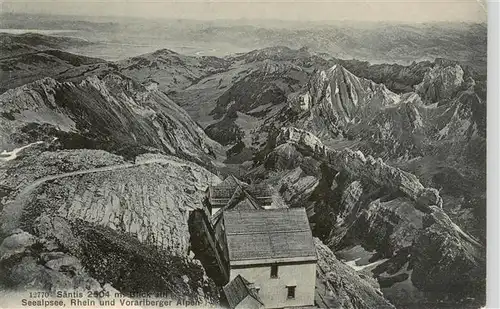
11	155
357	267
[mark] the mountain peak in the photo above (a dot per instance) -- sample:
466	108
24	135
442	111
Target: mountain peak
336	97
442	81
164	51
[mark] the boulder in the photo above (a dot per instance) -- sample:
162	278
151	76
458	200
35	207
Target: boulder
16	244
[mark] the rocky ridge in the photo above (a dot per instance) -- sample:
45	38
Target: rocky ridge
355	202
358	201
370	169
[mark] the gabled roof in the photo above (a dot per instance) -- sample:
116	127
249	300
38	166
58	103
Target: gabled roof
227	188
239	200
238	289
247	204
269	235
230	181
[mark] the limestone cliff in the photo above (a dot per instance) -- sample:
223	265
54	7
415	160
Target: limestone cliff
358	167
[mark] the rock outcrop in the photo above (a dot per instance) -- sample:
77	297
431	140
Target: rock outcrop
357	166
340	287
36	263
441	82
445	259
358	201
89	199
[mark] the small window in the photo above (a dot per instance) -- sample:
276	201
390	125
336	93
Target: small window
274	271
290	292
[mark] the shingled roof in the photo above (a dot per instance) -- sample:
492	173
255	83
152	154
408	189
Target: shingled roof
259	190
239	201
238	289
268	235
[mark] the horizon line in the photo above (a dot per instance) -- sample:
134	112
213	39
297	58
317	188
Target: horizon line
322	22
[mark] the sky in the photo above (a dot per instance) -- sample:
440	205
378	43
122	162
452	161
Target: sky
304	10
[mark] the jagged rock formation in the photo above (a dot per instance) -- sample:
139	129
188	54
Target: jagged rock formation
358	201
338	98
84	218
398	78
441	82
238	102
442	249
112	113
438	142
260	93
368	169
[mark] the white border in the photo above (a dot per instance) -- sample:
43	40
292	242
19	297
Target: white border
493	156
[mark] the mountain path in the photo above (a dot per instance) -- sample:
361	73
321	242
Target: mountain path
11	214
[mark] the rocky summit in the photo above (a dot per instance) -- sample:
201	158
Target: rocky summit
108	169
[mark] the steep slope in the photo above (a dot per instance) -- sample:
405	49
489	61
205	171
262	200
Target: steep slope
92	221
339	287
437	132
242	108
111	112
235	105
397	77
404	78
441	82
443	143
412	128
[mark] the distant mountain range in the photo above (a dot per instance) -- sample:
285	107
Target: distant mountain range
374	42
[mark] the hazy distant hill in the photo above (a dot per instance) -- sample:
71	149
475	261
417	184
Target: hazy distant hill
376	42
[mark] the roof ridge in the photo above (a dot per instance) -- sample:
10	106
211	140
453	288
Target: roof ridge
249	290
269	210
267	232
246	286
252	199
